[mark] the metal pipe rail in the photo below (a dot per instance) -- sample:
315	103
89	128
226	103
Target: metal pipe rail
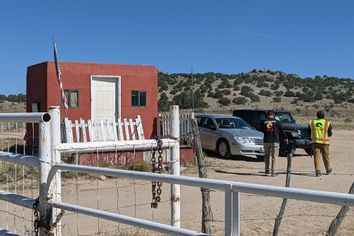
231	189
20	159
33	117
42	162
17	199
343	199
162	228
128	145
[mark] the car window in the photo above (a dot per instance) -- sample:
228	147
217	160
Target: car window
241	114
258	117
207	123
232	123
284	117
200	120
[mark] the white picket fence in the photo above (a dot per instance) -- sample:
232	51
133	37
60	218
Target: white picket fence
103	130
185	127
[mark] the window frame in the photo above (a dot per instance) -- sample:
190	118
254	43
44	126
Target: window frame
139	92
70	91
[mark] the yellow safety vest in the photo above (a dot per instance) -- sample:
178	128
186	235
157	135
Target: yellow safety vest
319	131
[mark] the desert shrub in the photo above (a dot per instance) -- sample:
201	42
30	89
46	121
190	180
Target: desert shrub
246	91
226	92
164	103
240	100
140	165
13	98
224	101
318	96
275	86
262	84
104	164
307	97
298	94
306	89
348	120
289	93
162	85
203	88
173	91
211	94
316	106
184	100
266	93
278	93
236	88
351	100
224	84
255	98
339	97
218	94
276	99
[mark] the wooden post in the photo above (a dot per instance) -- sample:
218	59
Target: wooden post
336	222
207	214
285	200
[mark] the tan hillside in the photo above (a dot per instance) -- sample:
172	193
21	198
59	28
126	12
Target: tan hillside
216	92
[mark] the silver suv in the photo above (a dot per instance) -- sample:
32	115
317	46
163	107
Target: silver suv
229	135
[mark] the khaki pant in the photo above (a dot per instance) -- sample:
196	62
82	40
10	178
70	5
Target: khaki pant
271	150
319	149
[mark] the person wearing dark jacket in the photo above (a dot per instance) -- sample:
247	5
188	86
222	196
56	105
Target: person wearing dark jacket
272	129
320	130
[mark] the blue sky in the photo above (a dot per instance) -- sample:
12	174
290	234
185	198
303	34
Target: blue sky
304	37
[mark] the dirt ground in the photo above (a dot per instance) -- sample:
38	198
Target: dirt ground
133	198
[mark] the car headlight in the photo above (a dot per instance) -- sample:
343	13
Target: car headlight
243	140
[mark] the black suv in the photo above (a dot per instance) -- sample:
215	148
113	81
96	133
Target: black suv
298	134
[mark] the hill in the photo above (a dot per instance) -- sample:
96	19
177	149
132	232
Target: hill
13	103
217	92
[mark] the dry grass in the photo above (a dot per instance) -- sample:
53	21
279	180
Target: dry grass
6	106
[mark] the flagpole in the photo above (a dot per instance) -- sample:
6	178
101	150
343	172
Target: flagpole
60	82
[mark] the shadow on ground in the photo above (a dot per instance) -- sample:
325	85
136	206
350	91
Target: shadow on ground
240	173
262	173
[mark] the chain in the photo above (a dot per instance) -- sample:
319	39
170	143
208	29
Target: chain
56	222
36	217
156	168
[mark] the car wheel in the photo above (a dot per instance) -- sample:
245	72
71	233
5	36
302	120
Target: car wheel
309	151
223	149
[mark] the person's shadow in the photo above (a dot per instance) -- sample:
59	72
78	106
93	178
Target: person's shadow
235	158
4	232
241	173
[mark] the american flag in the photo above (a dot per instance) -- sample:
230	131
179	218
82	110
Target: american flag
57	68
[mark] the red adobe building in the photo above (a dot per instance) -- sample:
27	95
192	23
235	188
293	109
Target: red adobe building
96	91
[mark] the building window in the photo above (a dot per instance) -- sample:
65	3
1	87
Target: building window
72	97
138	98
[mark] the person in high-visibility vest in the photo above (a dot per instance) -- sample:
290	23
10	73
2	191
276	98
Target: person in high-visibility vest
320	131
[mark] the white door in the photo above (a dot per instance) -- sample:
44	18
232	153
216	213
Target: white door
104	95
